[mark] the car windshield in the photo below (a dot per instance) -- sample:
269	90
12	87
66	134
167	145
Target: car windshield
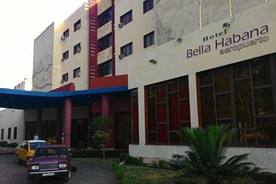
51	152
34	145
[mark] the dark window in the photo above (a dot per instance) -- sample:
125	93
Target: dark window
127	50
242	95
65	56
65	34
2	134
77	48
105	42
77	25
64	78
105	17
126	18
9	133
168	111
149	39
105	68
76	72
135	117
15	133
148	5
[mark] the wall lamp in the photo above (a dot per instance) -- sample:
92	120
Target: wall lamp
152	61
226	25
179	40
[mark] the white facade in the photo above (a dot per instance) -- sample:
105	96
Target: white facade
198	51
134	31
49	64
12	125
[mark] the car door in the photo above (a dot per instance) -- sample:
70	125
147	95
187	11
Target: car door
22	151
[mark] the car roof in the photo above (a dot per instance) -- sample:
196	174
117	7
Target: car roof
53	146
33	141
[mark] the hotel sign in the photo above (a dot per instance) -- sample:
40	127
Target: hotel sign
232	43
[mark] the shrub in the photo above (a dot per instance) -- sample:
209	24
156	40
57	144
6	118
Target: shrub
12	145
3	143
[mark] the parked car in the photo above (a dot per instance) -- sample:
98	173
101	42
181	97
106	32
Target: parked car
50	161
26	149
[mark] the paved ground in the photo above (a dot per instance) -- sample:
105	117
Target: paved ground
87	173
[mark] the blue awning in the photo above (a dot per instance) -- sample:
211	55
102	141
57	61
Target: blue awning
19	99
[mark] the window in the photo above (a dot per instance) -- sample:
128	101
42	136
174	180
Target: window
127	49
64	78
126	18
65	56
15	133
149	39
77	48
77	25
105	17
2	134
9	133
105	42
242	95
135	117
105	68
76	72
148	5
168	111
65	34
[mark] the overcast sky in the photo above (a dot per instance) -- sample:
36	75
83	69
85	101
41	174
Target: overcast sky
20	23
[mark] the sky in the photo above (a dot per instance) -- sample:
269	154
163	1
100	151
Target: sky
20	23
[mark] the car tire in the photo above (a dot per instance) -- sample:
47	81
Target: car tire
27	160
68	176
30	180
17	160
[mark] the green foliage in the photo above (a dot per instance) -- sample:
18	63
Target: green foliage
101	128
120	172
206	157
3	143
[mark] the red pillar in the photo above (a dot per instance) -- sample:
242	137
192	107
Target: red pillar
67	121
105	105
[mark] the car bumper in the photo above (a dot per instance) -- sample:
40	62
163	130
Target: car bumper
39	174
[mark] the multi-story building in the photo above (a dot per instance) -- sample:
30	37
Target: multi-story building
186	64
215	64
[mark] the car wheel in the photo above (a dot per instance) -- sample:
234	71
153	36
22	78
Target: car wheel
30	180
68	176
17	160
27	160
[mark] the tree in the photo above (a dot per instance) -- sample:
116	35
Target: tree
101	129
206	158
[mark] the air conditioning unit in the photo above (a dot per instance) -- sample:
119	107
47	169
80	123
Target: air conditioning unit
62	59
63	37
78	26
121	24
78	49
121	56
62	81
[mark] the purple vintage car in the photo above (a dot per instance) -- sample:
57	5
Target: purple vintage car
49	161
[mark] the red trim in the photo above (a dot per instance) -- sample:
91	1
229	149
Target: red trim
93	41
146	114
112	81
198	101
67	87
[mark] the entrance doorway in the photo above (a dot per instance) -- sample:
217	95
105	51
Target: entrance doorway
122	130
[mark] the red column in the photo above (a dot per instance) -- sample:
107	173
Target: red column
67	121
105	105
